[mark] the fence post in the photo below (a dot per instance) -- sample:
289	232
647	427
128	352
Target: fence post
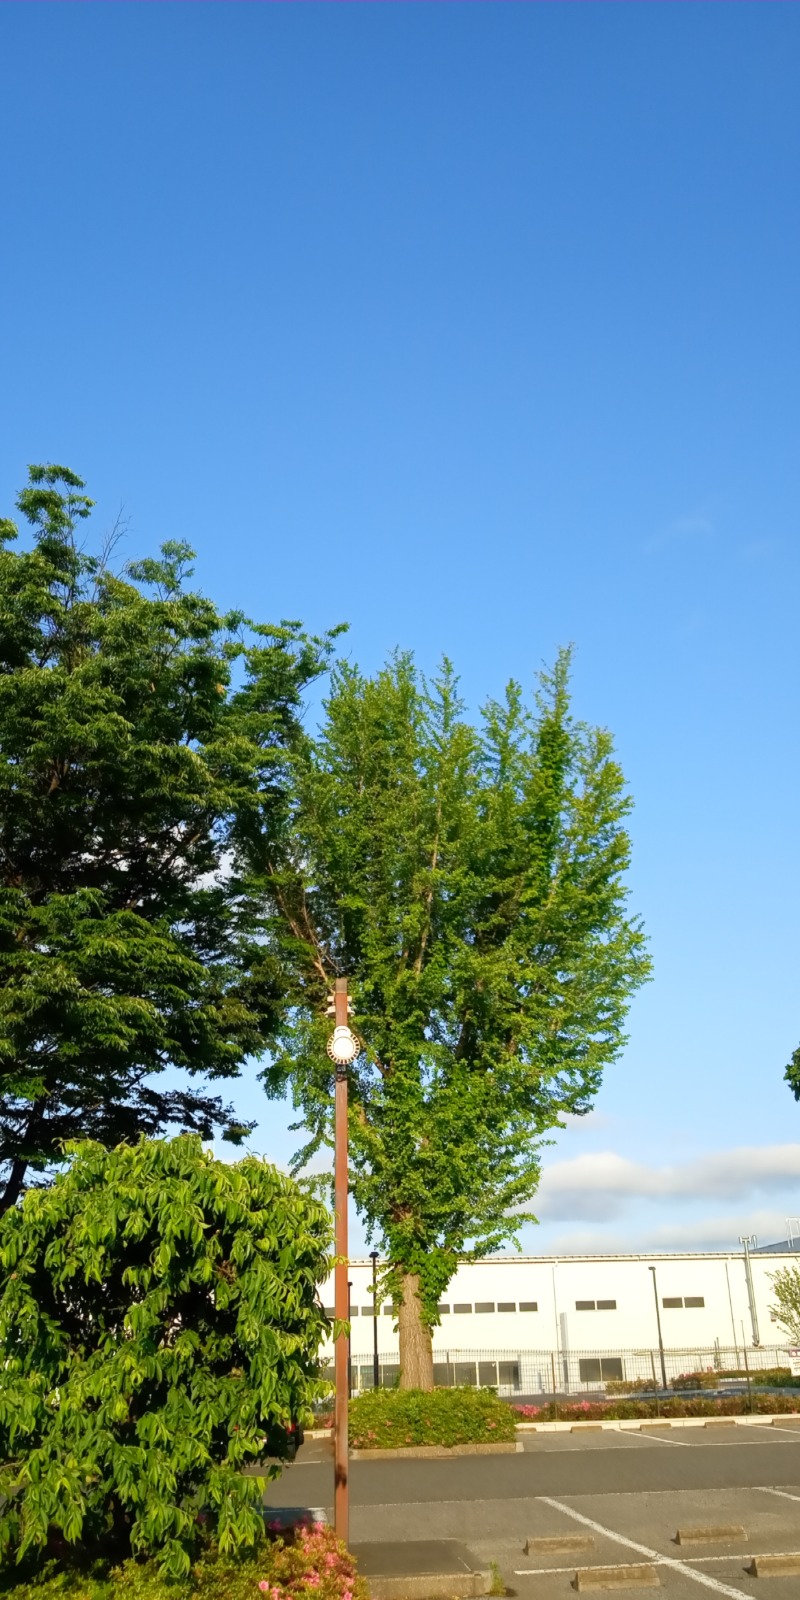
555	1391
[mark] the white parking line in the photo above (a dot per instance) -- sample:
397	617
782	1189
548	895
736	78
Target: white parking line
686	1571
783	1493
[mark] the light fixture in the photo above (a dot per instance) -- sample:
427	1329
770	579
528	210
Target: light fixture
343	1046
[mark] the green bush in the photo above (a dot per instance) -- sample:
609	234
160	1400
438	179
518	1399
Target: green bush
159	1328
390	1419
735	1405
708	1379
765	1377
309	1564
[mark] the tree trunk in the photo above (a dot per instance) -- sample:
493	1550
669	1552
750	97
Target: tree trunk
19	1165
416	1350
13	1188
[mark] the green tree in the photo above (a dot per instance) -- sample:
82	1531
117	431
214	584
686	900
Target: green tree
786	1310
142	740
792	1073
469	882
159	1328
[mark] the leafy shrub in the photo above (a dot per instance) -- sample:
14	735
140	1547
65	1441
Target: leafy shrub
619	1410
765	1377
309	1564
390	1419
708	1379
630	1386
158	1330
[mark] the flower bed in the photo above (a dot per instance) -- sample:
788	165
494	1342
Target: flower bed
392	1419
735	1405
306	1563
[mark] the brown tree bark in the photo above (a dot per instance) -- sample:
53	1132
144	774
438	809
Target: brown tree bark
416	1349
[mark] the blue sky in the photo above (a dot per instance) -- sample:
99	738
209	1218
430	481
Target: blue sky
475	325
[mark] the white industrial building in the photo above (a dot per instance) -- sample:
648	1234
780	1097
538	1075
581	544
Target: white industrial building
531	1323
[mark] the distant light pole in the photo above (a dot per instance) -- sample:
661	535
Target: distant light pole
747	1240
376	1377
343	1047
658	1321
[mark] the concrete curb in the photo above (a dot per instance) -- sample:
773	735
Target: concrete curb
640	1575
437	1452
431	1586
786	1565
640	1424
617	1424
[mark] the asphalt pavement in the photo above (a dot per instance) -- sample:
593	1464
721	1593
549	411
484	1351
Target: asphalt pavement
626	1493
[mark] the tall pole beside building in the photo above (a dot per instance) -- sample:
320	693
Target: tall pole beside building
343	1047
376	1371
658	1323
747	1240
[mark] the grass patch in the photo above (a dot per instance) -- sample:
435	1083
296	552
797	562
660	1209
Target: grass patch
392	1419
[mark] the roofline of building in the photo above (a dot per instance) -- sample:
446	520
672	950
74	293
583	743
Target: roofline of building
545	1261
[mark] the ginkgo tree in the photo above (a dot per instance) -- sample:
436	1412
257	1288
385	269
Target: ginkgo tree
469	881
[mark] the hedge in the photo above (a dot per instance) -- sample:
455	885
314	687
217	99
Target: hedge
387	1419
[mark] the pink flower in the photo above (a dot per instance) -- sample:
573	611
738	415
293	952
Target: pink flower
263	1586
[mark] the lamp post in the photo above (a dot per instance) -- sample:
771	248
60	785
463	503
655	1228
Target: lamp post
343	1047
373	1256
658	1321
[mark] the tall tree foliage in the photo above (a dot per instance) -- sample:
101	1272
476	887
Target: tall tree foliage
470	883
159	1329
142	739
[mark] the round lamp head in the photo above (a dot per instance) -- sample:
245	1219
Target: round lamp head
343	1046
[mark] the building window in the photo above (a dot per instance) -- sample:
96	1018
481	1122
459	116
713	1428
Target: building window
606	1305
367	1311
529	1305
584	1305
595	1305
506	1305
444	1311
690	1301
330	1312
389	1311
460	1310
353	1313
484	1305
671	1304
600	1371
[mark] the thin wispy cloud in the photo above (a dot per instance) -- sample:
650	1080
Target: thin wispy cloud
602	1185
681	530
718	1232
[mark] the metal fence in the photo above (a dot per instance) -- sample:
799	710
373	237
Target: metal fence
543	1374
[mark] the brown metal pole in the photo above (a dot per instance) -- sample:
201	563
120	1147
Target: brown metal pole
341	1491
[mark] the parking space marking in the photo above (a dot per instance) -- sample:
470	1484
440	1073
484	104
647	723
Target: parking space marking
784	1493
704	1578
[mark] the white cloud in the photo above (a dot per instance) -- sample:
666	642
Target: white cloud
705	1233
681	530
600	1186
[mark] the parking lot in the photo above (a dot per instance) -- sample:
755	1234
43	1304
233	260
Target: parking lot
600	1500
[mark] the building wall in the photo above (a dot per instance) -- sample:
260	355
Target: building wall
556	1286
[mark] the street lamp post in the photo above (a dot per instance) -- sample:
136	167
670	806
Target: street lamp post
343	1047
376	1377
658	1321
